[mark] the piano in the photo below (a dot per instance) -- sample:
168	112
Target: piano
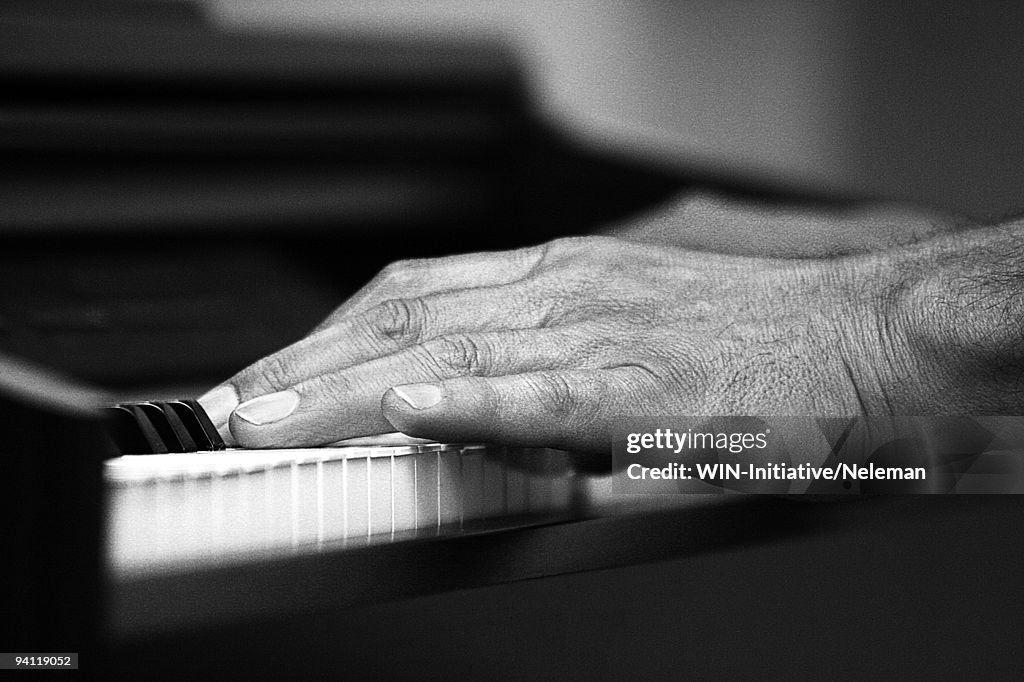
187	509
160	173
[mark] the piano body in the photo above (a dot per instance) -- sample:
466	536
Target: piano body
161	174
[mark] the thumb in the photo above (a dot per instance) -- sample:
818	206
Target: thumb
569	410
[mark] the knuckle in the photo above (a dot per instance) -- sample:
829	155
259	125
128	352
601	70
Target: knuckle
460	354
574	265
394	271
395	276
276	371
565	246
384	278
328	388
590	245
534	258
556	395
399	319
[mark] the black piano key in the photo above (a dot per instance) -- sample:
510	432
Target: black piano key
181	432
154	443
159	421
161	427
193	418
125	431
208	427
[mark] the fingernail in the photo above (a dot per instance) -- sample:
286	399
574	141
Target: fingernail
219	404
269	408
419	396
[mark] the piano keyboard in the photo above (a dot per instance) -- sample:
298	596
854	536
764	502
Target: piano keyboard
158	427
178	510
177	498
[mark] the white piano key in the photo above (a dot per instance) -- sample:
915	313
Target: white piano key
358	500
269	505
182	508
539	494
201	537
379	491
383	440
280	509
250	510
216	521
471	485
427	493
229	525
449	484
127	532
561	492
403	504
306	514
332	492
494	486
517	491
320	530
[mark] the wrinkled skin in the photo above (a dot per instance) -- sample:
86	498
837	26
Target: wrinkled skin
547	345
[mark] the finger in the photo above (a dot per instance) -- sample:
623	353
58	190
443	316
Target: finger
393	439
572	410
347	403
383	330
422	277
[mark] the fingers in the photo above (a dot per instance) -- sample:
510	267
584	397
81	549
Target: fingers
392	326
565	409
347	403
385	329
418	278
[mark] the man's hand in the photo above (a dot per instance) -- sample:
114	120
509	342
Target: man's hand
547	345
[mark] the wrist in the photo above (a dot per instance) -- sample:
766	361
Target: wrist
957	305
876	330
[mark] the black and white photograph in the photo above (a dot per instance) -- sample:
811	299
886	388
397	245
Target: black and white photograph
483	340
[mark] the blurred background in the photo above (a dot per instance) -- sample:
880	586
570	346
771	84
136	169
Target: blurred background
916	101
186	187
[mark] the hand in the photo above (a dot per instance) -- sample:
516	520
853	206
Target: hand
545	346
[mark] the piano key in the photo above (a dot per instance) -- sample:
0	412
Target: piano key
357	498
494	486
153	439
471	474
169	419
383	439
195	419
303	495
425	490
176	509
217	443
404	492
517	490
334	500
125	431
158	420
163	426
380	495
450	507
